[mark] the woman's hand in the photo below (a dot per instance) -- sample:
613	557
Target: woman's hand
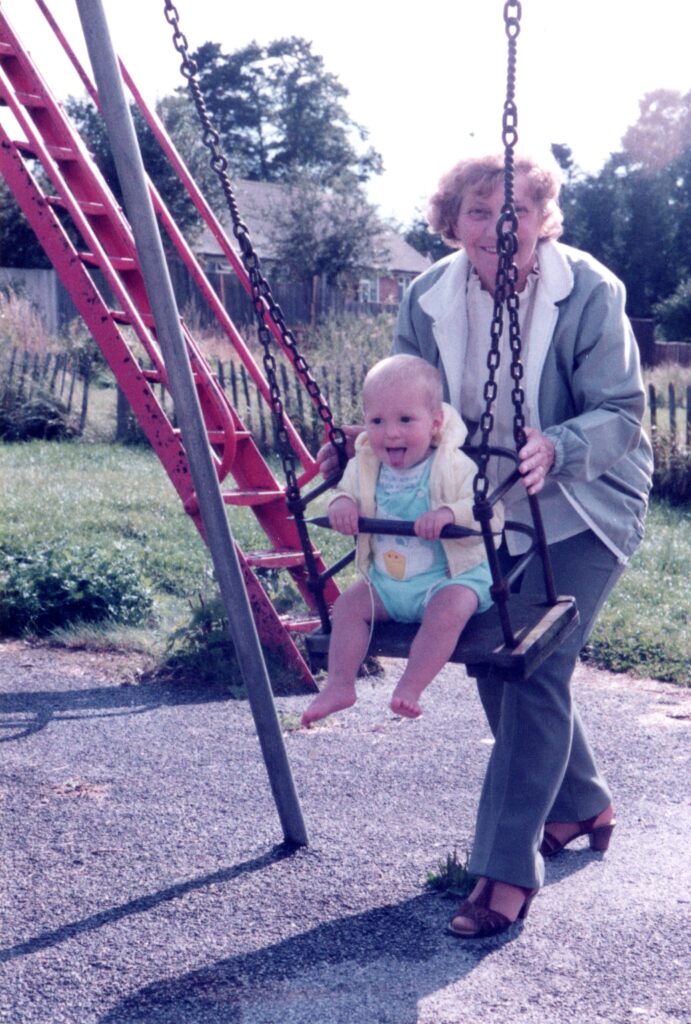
430	524
327	457
536	458
343	515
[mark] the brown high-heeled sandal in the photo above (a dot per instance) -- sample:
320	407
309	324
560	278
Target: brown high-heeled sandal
487	921
599	836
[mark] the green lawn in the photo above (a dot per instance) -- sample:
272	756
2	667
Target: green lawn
114	499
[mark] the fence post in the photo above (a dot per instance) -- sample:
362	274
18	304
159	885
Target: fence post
73	382
672	414
86	381
246	392
24	372
652	403
13	359
56	370
63	378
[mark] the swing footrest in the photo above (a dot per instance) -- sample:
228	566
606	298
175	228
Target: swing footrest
538	627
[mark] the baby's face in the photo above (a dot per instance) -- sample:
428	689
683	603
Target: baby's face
400	423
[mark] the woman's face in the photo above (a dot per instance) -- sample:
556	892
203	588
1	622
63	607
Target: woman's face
476	230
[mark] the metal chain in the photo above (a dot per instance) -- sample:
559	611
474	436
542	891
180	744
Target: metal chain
262	297
507	274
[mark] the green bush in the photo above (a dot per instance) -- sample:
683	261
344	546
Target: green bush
202	652
51	587
41	416
673	314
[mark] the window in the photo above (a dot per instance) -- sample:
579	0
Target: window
368	289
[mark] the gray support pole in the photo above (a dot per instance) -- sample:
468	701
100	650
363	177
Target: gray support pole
139	208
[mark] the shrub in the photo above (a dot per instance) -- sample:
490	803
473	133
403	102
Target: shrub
52	587
673	314
39	417
202	652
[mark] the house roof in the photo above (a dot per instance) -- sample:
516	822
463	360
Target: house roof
259	203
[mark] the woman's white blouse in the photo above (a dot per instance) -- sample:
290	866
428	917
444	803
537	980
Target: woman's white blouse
560	518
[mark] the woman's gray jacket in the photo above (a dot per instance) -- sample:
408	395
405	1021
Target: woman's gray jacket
582	379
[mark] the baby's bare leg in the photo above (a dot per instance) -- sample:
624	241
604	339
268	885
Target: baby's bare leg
445	617
350	631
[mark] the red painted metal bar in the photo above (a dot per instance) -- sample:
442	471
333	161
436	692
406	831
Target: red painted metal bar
50	138
310	467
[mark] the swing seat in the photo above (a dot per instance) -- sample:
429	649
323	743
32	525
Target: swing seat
539	628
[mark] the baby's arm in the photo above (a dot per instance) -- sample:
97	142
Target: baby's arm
343	515
430	524
459	496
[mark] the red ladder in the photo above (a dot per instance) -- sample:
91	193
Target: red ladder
77	189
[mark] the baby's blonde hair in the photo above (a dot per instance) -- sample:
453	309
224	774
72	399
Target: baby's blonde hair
406	369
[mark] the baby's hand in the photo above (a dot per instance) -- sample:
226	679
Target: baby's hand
430	524
343	515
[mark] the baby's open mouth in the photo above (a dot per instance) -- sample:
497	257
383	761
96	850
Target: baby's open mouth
396	455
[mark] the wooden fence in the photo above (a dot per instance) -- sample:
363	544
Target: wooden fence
678	418
70	380
66	378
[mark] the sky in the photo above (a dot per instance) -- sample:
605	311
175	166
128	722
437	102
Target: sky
428	83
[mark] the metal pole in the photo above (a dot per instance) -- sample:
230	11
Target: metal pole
130	168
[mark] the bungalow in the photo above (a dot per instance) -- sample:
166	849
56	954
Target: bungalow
262	206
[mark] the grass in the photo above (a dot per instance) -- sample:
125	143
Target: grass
644	627
114	498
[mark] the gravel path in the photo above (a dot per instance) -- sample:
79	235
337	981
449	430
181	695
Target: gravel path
143	880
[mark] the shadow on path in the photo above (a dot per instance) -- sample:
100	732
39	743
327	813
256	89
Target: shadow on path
142	904
23	713
373	966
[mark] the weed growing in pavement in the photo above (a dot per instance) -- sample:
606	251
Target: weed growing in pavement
452	877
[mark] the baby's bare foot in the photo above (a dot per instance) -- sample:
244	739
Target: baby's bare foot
404	701
331	699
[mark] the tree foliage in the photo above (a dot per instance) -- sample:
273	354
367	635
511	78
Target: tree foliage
20	247
278	110
332	233
662	132
425	241
92	128
635	213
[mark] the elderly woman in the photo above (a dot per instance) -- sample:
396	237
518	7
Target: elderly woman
587	456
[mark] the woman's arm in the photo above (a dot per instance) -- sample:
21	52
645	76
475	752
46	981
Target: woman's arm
605	386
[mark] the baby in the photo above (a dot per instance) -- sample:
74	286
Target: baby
407	465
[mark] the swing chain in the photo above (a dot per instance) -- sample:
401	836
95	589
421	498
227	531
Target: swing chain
262	296
505	283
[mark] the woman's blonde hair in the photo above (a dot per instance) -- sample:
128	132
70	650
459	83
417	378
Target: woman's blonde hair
481	175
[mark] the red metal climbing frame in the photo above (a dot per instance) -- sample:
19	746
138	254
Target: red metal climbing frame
123	326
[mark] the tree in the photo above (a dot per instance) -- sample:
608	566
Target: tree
425	241
662	131
673	314
332	233
635	214
278	110
20	247
92	129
